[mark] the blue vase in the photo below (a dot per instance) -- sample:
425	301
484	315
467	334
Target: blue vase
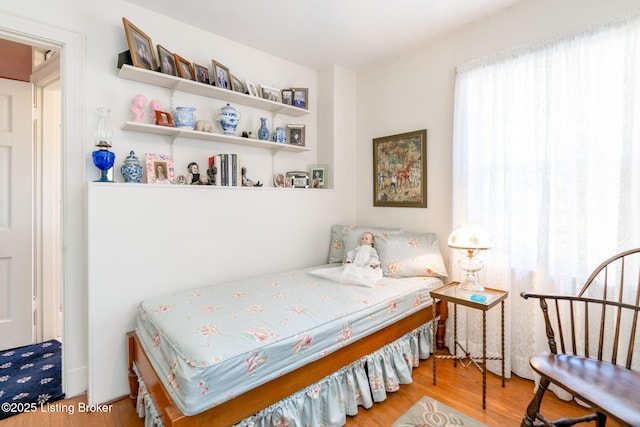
185	117
263	132
131	169
281	136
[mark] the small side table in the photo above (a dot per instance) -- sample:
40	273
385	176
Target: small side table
484	300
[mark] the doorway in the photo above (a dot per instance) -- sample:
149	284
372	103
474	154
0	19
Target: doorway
31	226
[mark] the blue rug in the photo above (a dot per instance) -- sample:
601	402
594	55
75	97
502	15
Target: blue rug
29	377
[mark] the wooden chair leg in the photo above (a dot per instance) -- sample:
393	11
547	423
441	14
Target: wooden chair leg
534	406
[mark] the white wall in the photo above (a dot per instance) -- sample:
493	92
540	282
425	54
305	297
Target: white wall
416	91
141	240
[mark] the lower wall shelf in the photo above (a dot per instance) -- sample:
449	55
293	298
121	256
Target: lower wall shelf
175	132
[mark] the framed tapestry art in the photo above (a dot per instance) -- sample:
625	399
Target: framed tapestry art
400	170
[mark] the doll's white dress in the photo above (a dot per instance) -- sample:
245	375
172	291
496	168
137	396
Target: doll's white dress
357	269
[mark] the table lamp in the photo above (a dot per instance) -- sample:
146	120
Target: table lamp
470	240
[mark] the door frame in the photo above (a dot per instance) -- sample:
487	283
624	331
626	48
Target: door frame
73	158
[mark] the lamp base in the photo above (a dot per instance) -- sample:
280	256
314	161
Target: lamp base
471	283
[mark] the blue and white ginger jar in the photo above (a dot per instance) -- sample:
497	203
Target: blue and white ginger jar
229	118
281	136
131	169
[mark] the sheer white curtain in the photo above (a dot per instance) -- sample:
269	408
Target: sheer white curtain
546	157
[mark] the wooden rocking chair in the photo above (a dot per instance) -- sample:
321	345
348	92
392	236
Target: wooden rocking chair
592	340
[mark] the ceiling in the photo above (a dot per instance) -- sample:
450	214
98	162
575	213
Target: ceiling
317	33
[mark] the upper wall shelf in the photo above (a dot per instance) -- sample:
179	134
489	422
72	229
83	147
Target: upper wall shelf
141	75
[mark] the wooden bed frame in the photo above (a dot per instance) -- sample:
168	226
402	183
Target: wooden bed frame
254	400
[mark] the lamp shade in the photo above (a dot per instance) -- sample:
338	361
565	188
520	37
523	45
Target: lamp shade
470	237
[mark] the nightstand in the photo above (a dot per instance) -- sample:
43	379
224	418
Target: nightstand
479	300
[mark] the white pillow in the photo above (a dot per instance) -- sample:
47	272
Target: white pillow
411	254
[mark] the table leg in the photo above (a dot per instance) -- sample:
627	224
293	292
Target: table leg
455	335
484	359
502	322
433	344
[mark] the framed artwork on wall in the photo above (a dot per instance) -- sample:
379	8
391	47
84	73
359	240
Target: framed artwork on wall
140	46
160	169
400	170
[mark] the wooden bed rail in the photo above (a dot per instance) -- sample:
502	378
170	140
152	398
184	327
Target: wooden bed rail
254	400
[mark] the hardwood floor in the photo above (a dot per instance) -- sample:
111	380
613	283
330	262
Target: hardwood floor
459	388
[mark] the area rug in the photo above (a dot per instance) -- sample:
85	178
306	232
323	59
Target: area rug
30	377
429	412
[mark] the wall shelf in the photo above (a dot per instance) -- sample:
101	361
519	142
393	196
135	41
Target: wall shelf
175	132
189	86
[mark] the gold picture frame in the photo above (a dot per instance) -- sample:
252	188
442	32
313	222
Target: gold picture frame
400	170
221	75
140	46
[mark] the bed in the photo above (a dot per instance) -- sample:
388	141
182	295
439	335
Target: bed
287	346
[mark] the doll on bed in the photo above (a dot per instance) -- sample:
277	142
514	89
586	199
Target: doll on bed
361	266
365	254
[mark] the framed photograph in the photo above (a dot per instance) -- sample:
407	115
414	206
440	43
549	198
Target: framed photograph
167	62
221	75
400	170
251	88
278	180
140	46
185	69
159	169
300	97
287	96
295	135
202	74
237	85
270	93
318	175
164	118
297	179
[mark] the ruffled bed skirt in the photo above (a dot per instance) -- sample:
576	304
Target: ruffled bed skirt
328	402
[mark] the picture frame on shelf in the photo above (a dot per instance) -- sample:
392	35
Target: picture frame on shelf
318	176
140	46
237	85
297	179
221	75
185	69
160	169
251	88
278	180
163	118
300	97
202	74
400	170
295	135
167	61
269	93
287	96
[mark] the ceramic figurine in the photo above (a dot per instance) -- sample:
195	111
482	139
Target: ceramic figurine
138	102
154	105
246	182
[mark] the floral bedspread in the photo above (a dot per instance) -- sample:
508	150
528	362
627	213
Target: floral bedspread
211	344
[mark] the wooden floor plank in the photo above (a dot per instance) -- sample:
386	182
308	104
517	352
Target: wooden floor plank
459	388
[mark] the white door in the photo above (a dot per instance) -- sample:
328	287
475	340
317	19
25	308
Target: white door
16	214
